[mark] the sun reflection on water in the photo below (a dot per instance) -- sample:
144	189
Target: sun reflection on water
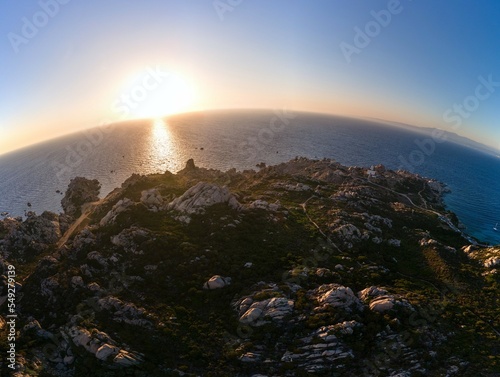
162	147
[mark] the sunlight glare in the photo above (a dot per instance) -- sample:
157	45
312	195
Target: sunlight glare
160	145
158	95
160	134
174	95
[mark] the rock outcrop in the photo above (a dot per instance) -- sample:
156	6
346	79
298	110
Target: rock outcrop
336	296
379	300
32	235
196	199
121	206
80	191
217	282
152	199
258	313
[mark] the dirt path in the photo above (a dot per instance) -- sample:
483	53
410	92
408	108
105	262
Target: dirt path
87	209
330	242
422	198
440	216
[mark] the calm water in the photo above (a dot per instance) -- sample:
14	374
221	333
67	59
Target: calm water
241	139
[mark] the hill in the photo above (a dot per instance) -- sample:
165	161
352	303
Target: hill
303	268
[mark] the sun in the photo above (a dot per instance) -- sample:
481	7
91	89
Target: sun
156	93
173	95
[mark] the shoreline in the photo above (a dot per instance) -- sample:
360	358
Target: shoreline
299	261
444	190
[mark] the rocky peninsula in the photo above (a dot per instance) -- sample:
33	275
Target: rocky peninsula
307	268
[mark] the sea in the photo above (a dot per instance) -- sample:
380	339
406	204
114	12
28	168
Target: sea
35	178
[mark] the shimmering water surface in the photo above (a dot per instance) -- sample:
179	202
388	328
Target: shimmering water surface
241	139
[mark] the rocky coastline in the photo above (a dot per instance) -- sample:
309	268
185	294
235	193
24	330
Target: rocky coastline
302	268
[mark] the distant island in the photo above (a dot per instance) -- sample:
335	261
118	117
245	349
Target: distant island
448	136
304	268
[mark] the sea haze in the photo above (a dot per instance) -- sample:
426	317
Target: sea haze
242	139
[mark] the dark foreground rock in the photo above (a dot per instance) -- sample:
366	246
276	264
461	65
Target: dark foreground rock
304	268
79	192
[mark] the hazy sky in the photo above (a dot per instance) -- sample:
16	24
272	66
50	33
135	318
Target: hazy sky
71	64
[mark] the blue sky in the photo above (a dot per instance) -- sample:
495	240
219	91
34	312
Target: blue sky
416	67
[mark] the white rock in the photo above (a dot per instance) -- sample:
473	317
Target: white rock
244	305
370	292
32	325
278	307
428	242
348	232
469	249
127	359
152	199
130	238
196	199
347	327
337	296
251	315
94	345
247	301
450	249
216	282
382	304
248	265
262	204
119	207
249	357
125	312
106	351
491	262
80	337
